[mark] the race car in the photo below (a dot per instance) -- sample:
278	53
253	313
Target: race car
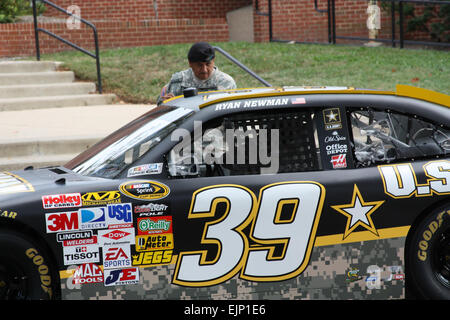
262	193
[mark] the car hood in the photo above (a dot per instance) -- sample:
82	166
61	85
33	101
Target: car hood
14	184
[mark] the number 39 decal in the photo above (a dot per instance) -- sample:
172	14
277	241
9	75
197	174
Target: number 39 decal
295	233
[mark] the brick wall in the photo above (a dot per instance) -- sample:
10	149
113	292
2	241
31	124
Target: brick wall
136	10
18	39
127	23
299	21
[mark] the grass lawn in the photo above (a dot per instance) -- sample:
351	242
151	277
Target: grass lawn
136	75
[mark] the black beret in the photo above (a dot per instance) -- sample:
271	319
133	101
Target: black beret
201	52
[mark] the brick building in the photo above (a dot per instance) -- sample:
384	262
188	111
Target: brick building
129	23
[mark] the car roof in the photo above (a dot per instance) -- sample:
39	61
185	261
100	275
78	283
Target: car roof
204	99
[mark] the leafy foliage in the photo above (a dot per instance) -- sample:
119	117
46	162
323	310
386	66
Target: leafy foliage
11	9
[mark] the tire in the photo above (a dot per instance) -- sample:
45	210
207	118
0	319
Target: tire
25	270
428	256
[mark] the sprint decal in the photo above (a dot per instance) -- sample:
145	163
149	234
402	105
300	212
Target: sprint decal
400	180
269	228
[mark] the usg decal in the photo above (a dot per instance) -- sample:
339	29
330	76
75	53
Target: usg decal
144	190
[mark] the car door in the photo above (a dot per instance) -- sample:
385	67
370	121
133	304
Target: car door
257	211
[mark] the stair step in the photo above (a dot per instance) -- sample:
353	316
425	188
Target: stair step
19	78
19	163
47	146
40	90
28	66
29	103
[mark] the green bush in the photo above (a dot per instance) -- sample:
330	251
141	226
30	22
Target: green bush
11	9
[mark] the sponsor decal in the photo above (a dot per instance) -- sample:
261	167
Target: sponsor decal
151	168
80	242
62	221
144	190
336	148
151	209
125	276
339	161
92	218
60	237
81	254
100	198
8	214
152	257
10	183
120	215
332	119
155	225
57	201
116	257
154	242
335	137
87	273
116	236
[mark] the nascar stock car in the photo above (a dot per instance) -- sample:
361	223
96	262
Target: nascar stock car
263	193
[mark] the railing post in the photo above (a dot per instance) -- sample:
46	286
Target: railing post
36	31
400	8
393	22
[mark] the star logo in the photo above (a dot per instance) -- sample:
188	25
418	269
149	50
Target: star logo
358	213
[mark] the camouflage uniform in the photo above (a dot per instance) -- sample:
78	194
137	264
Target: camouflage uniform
186	79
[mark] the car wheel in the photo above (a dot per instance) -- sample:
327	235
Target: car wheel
428	256
25	270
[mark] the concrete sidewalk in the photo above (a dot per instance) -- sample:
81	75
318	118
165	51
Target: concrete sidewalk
44	137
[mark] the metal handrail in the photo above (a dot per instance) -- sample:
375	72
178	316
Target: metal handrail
242	66
96	56
331	13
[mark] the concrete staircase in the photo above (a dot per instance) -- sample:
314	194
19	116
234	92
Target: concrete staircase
46	118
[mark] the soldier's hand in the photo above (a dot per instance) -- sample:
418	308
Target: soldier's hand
168	96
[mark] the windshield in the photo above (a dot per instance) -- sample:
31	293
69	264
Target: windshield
110	156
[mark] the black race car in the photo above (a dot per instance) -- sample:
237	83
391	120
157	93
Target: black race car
265	193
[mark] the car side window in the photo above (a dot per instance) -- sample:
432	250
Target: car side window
250	143
385	137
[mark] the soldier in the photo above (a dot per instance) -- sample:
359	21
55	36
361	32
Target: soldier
202	74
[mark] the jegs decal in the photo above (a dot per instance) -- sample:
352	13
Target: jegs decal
295	233
400	181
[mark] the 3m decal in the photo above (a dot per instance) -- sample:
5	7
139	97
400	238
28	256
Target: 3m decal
144	190
62	221
100	198
294	232
358	213
400	180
